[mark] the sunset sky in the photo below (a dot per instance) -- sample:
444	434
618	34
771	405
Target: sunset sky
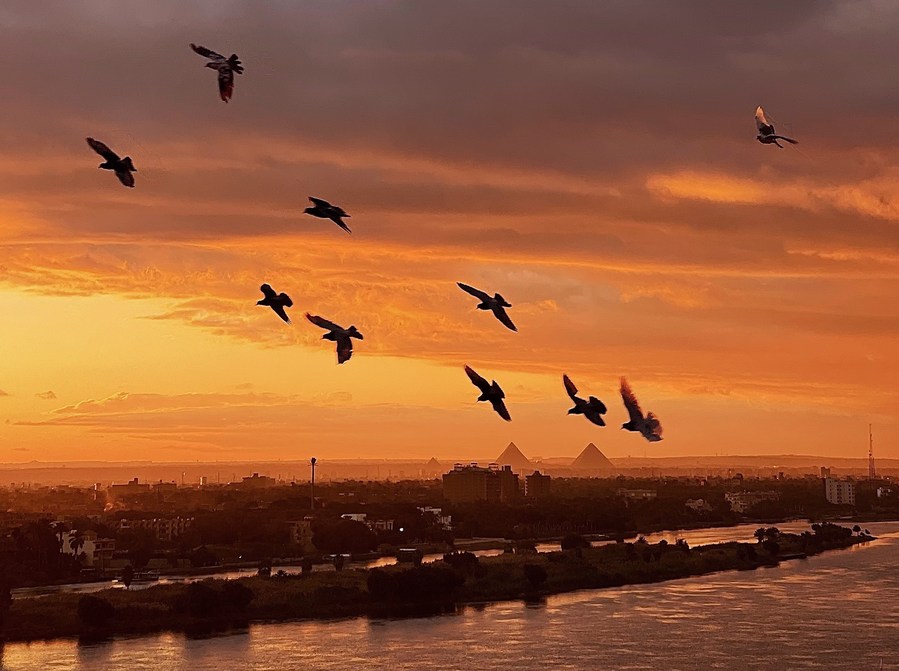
594	162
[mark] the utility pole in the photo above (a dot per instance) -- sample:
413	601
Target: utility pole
312	489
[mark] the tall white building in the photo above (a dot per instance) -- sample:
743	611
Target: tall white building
839	492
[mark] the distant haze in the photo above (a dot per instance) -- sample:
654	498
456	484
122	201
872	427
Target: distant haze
596	163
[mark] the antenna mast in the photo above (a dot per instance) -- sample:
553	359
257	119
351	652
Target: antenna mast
872	472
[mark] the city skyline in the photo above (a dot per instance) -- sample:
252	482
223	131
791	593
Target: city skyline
613	192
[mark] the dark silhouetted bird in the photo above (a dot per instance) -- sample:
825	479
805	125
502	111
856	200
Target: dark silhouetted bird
123	167
324	210
276	302
766	130
226	68
593	409
649	426
490	392
496	303
339	335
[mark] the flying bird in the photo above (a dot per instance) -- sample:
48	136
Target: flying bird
276	302
123	167
324	210
593	409
766	130
490	392
338	334
226	68
649	426
496	303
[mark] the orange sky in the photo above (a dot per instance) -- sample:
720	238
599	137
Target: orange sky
595	163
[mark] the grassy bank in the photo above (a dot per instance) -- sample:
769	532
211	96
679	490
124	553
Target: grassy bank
214	605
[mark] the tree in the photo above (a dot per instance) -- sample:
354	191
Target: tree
535	574
236	596
760	534
127	576
574	541
306	565
857	529
5	601
339	536
338	562
94	611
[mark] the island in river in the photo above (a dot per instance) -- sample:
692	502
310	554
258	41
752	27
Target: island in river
460	578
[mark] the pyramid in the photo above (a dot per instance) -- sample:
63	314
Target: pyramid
513	457
433	463
592	460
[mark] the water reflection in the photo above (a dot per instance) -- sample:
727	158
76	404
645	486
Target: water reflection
835	611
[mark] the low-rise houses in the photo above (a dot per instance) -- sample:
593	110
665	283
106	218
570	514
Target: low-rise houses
743	502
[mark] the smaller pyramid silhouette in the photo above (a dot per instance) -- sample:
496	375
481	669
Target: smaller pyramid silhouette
592	460
433	463
513	457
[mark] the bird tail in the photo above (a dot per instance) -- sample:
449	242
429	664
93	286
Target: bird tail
787	139
129	164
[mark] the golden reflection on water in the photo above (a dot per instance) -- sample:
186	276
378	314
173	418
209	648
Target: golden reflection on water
839	610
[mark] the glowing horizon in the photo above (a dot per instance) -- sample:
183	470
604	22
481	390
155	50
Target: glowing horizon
616	196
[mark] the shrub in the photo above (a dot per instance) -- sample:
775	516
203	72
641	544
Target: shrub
94	611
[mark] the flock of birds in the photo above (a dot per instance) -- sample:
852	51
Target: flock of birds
647	425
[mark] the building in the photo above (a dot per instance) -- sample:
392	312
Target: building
470	483
536	485
130	489
743	502
637	494
825	472
301	534
699	505
839	492
445	521
163	528
355	517
93	550
257	481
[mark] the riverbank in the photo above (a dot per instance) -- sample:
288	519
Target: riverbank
215	605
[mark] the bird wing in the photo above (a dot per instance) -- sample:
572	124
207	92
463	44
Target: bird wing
279	310
323	323
285	300
344	349
600	406
125	177
267	291
786	139
655	426
761	121
477	293
595	418
630	402
501	408
477	380
337	220
569	387
102	149
500	312
318	202
208	53
226	83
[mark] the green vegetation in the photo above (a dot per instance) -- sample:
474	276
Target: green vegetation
460	578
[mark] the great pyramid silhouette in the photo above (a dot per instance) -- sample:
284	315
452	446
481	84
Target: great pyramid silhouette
513	457
593	461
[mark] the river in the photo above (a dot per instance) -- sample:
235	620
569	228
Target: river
839	610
